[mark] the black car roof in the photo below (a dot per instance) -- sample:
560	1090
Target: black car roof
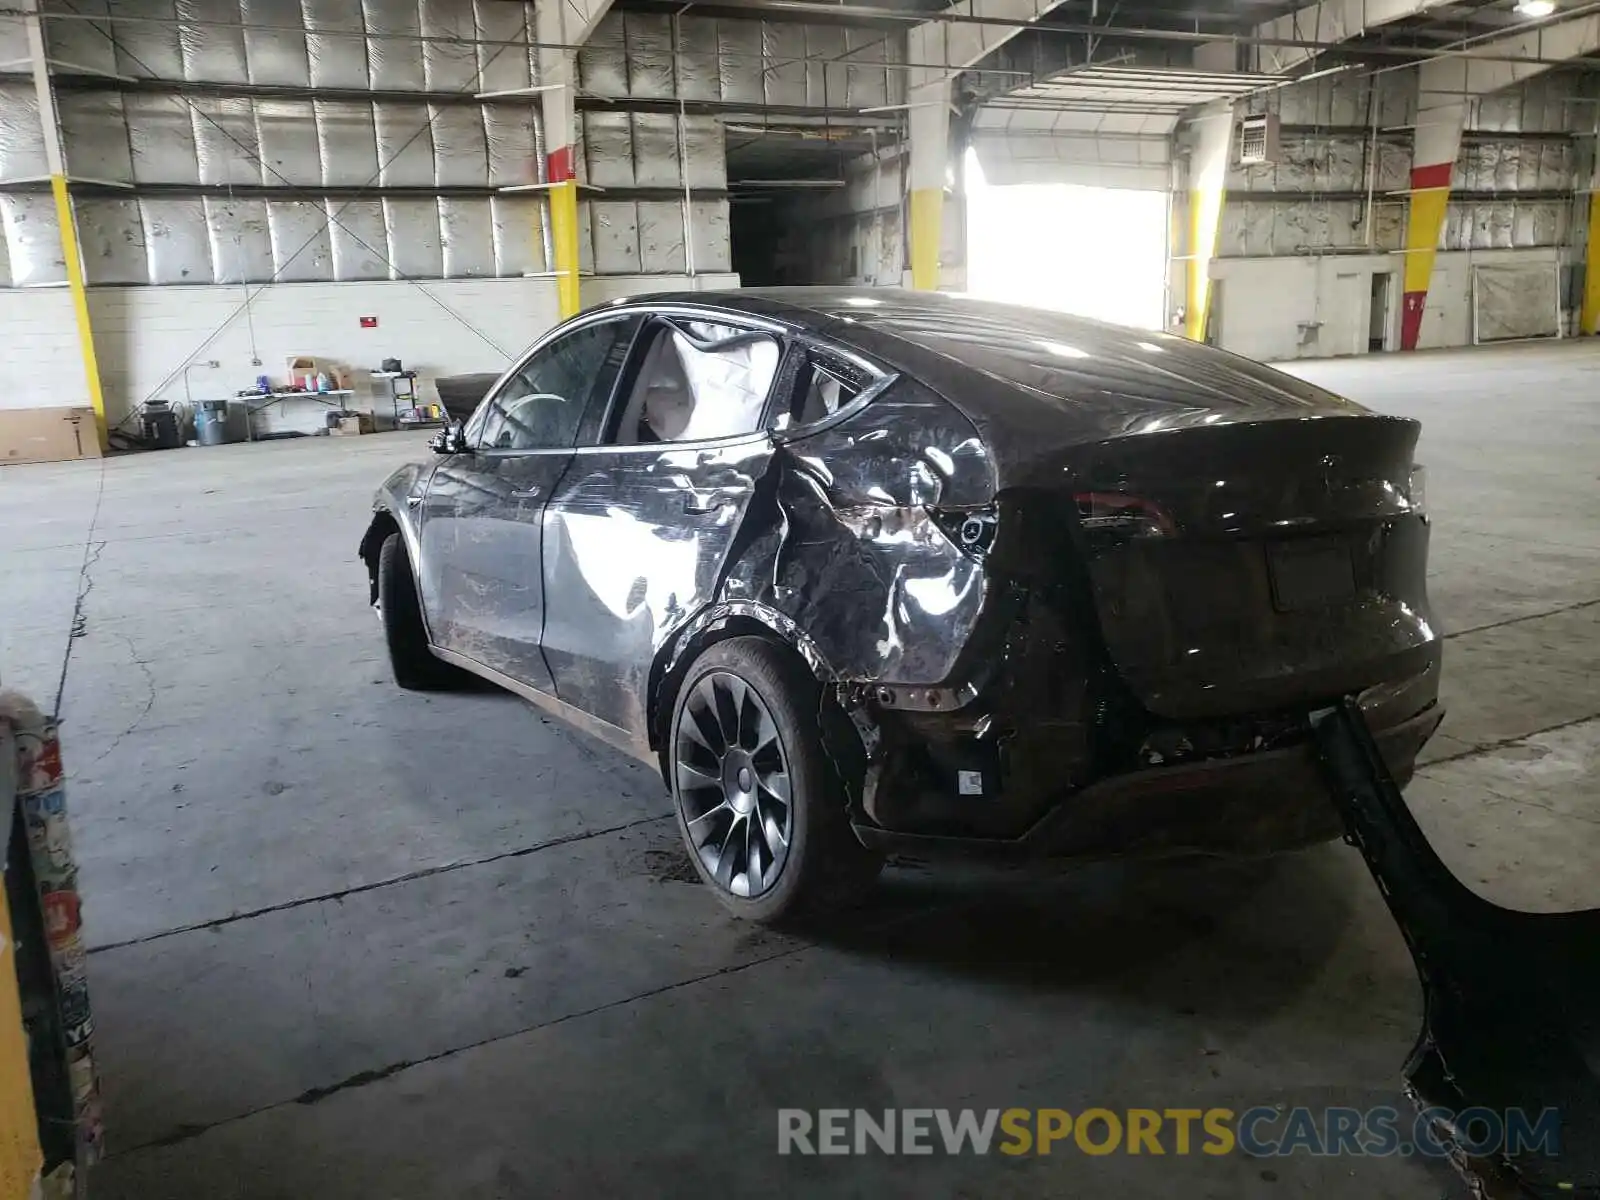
1062	361
815	307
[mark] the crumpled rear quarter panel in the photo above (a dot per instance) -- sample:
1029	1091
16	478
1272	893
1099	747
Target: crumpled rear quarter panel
849	551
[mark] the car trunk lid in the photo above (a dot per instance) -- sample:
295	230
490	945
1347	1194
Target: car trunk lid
1254	566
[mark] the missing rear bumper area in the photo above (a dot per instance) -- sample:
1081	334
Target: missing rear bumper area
1260	802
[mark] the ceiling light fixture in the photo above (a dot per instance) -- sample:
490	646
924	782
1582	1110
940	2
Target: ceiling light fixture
1535	8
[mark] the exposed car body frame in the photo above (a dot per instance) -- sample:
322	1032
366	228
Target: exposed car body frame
1003	694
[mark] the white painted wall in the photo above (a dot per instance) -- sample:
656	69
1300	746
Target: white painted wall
1282	308
144	336
1318	307
1447	320
41	366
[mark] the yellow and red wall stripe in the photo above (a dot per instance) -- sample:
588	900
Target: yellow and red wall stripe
1430	197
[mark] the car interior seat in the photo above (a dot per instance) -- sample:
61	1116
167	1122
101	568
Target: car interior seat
662	402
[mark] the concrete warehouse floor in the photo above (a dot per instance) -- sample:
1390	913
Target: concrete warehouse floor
354	942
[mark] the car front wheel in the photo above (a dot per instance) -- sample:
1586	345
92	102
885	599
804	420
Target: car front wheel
412	662
760	803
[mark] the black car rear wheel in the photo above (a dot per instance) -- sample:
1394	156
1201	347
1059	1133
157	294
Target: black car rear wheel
760	804
412	662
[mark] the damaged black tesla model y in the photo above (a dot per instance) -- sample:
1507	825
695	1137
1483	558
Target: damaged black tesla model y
870	572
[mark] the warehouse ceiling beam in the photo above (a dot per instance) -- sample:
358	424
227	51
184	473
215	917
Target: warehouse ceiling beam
828	13
878	16
1445	87
1328	20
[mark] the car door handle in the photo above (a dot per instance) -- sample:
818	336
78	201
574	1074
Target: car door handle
527	493
413	500
700	506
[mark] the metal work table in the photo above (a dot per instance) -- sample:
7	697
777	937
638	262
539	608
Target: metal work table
333	399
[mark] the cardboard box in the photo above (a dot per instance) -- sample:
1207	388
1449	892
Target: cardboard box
34	435
355	423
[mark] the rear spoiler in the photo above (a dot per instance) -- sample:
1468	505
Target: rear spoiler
1511	1017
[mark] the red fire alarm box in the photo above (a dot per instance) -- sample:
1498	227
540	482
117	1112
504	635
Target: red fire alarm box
369	322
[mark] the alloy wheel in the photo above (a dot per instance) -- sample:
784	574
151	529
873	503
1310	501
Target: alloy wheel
732	776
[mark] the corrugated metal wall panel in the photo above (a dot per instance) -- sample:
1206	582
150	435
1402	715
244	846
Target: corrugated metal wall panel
415	249
519	234
82	43
95	133
111	238
33	240
661	244
241	241
149	49
347	143
176	241
275	58
302	250
615	225
395	65
503	68
655	150
511	135
467	228
649	55
227	145
210	41
199	140
360	240
335	62
21	136
608	148
161	139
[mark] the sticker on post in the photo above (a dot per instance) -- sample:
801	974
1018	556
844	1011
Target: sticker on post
969	783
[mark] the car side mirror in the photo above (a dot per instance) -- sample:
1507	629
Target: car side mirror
452	439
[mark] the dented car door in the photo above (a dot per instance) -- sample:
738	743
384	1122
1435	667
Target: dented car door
480	574
638	530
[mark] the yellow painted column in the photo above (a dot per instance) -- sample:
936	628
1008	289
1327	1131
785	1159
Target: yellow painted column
558	75
65	219
1429	200
928	170
80	301
1196	310
1208	181
20	1157
564	234
1589	314
927	233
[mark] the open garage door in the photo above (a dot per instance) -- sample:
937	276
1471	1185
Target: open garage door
1095	251
1510	303
1069	189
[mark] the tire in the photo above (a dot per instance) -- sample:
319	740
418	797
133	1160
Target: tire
410	658
741	699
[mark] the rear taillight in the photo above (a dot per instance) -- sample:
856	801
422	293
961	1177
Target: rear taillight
1119	516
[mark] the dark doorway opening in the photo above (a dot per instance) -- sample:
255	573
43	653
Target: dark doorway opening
789	205
756	228
1378	328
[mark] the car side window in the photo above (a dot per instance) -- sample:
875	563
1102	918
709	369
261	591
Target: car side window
699	380
827	383
542	405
